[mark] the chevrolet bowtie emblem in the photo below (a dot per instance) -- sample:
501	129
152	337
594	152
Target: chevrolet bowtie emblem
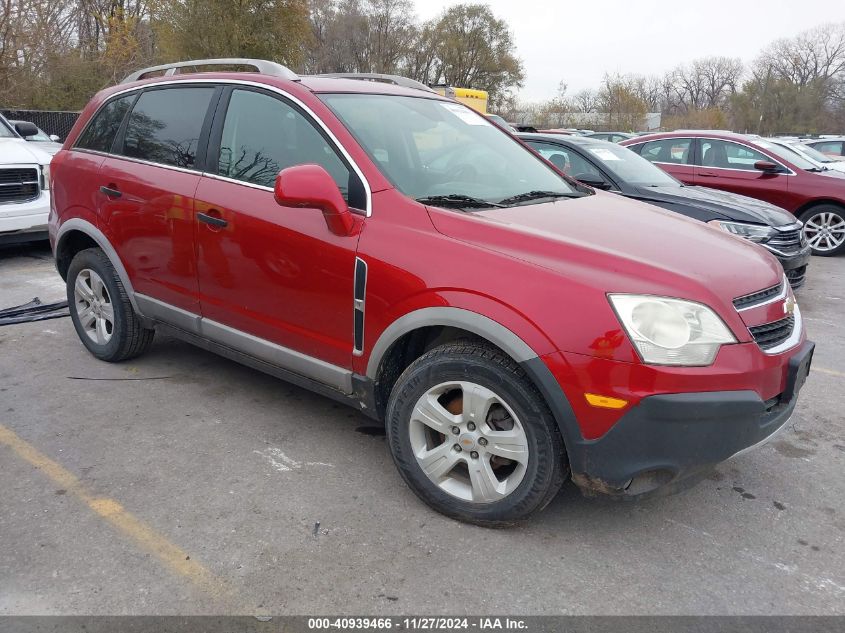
789	305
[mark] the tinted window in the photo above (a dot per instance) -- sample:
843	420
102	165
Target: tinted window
727	155
263	135
565	159
668	150
101	131
164	126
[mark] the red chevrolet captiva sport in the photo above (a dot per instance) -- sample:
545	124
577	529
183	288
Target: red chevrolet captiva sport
390	248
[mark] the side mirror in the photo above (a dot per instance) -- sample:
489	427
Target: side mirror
767	166
25	128
55	138
594	181
311	186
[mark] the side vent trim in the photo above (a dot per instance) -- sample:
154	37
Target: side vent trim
358	306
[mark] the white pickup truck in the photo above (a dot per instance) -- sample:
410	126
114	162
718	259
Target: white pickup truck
24	186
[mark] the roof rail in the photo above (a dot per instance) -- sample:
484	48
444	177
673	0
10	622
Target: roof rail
405	82
261	66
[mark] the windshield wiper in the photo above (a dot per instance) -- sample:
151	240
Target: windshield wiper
458	200
818	169
536	195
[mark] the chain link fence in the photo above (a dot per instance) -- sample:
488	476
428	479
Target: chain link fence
52	122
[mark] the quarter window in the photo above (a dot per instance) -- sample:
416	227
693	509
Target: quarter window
668	150
727	155
100	133
263	135
165	124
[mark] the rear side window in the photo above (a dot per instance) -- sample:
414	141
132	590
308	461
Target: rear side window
831	148
165	125
263	135
100	133
668	150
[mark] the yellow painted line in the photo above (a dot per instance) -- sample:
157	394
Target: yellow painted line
174	558
831	372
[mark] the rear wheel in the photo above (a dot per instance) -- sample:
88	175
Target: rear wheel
824	228
473	437
101	311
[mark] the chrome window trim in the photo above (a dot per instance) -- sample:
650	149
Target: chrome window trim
317	121
784	289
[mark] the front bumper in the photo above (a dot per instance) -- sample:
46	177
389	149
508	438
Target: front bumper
671	437
25	222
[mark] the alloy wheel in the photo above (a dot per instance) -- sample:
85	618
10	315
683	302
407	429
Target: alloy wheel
825	231
469	442
93	306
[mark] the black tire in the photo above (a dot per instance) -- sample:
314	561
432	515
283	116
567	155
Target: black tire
819	210
128	337
487	366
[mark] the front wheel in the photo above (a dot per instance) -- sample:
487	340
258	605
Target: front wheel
473	437
824	228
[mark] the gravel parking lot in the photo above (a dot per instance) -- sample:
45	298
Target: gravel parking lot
185	483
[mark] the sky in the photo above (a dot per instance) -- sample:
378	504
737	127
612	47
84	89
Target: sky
578	41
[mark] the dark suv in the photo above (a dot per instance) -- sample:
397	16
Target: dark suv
393	249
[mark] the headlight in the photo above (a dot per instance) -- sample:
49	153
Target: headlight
671	331
753	232
45	177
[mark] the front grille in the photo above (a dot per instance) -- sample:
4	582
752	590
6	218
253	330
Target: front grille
786	241
796	276
756	298
773	334
18	184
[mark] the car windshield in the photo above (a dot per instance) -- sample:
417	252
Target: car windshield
812	153
630	167
788	154
445	154
6	130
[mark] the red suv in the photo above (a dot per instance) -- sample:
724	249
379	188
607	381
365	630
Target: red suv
394	250
754	167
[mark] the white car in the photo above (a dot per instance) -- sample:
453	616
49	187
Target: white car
46	142
809	153
24	187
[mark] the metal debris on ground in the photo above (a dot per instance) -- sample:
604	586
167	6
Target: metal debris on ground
35	310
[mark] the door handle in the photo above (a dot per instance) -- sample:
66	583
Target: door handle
707	173
110	192
211	220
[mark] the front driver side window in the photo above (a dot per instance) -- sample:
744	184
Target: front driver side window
566	160
263	135
727	155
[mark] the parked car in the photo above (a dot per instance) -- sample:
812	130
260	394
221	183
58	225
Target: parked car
757	168
609	166
47	142
833	147
501	122
810	154
396	251
613	137
24	185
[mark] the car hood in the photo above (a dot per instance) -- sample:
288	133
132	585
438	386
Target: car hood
49	147
17	150
724	204
609	243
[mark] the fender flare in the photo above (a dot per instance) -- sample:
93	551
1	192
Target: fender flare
467	320
503	338
83	226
